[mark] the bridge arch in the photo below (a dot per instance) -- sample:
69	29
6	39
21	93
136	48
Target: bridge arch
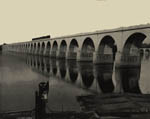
25	46
63	45
133	43
87	50
106	45
38	47
54	49
88	45
42	48
48	47
31	48
28	45
34	48
107	50
63	49
73	49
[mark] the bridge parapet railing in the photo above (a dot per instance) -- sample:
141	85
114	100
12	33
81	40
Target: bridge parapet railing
72	55
86	56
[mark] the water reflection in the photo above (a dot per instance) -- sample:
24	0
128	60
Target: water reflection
73	71
76	77
62	68
17	89
86	71
47	65
54	66
88	76
34	61
104	78
38	63
82	74
130	79
42	64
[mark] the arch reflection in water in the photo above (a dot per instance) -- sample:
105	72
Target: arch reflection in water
62	68
73	70
31	61
42	63
47	61
32	58
86	70
130	79
54	66
27	61
104	78
34	62
38	63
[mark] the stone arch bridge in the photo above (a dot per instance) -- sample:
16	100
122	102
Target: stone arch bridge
120	45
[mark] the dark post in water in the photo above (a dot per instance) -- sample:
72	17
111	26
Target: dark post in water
41	98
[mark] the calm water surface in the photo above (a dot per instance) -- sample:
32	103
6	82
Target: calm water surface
20	76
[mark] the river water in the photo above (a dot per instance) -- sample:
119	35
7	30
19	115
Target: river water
20	76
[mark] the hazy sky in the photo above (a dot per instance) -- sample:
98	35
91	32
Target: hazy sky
21	20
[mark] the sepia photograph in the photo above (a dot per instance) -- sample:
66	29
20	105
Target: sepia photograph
74	59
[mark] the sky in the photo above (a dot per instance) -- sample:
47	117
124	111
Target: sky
22	20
